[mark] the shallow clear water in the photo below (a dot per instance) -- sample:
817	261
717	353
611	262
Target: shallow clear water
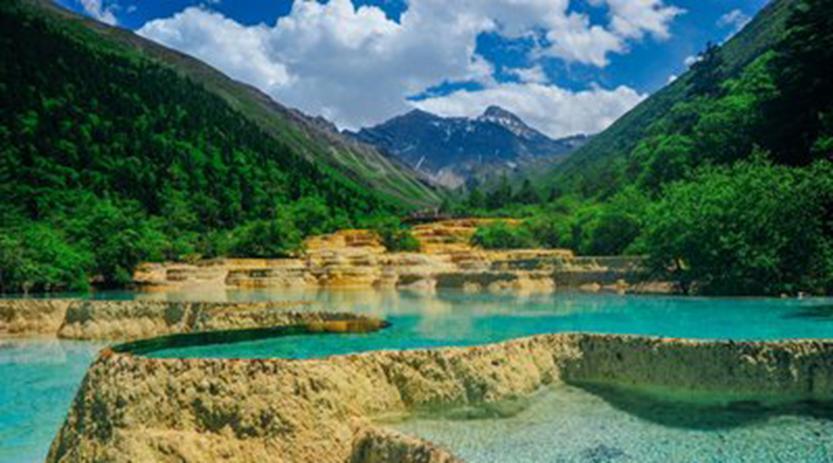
569	424
38	380
458	319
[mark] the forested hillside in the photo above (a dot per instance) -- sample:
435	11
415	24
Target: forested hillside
109	156
724	179
599	167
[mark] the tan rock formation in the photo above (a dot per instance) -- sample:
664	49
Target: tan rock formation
126	320
357	259
28	317
131	408
135	319
377	445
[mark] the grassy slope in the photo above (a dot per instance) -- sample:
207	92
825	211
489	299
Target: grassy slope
360	163
619	139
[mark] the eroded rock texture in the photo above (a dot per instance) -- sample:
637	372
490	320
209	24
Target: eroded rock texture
356	258
135	319
131	408
126	320
28	317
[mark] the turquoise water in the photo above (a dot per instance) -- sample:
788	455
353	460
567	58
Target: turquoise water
569	424
38	379
458	319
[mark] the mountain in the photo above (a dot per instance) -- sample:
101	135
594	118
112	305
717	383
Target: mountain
312	137
114	149
595	168
456	149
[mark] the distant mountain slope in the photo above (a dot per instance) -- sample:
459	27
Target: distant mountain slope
590	168
311	137
453	150
114	150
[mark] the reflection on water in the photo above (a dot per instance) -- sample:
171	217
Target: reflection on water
571	424
454	318
688	415
37	382
39	378
820	313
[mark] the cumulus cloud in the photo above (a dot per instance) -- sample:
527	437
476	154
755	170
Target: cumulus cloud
635	18
239	51
97	10
356	67
550	109
534	74
735	19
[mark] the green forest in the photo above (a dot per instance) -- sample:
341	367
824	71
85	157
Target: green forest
108	158
729	191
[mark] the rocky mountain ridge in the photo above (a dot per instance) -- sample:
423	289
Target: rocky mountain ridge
455	150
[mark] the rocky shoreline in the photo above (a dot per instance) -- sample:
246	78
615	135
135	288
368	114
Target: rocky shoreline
357	259
130	320
134	408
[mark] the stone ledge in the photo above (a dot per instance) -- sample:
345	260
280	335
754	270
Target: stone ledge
126	320
132	408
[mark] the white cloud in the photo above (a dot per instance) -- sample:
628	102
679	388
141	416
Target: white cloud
357	67
97	10
534	74
239	51
672	78
635	18
735	19
553	110
691	59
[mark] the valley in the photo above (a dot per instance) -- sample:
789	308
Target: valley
416	231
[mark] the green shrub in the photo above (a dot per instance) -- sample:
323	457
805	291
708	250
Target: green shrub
502	235
118	235
753	228
549	230
312	216
395	237
278	237
35	257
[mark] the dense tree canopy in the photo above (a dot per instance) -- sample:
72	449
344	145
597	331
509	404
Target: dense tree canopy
729	191
753	228
108	157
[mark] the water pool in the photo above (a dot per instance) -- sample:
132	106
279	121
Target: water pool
573	424
570	424
459	319
38	379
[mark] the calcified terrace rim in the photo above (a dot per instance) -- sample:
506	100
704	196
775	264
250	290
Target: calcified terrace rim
135	408
338	323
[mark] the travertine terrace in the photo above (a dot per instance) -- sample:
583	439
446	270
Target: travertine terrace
133	408
356	259
136	319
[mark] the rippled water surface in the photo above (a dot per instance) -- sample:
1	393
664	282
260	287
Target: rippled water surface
39	378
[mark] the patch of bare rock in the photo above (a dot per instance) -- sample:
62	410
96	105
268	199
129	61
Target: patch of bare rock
357	259
136	319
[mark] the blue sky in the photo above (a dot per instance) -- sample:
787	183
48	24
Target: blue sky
565	66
